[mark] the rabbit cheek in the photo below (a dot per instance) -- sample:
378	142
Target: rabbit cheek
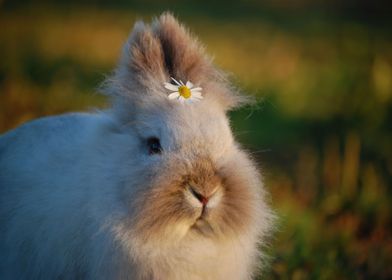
241	206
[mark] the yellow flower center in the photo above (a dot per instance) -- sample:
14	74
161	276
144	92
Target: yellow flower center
184	91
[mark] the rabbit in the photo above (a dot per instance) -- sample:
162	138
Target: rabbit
153	187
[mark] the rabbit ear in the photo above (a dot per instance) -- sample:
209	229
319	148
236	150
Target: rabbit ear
184	56
142	62
154	54
185	59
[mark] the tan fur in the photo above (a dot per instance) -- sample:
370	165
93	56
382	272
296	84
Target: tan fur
164	229
91	201
154	54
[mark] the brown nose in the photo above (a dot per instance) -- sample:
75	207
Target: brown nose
203	199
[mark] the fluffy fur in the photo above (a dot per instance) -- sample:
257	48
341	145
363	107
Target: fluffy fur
82	198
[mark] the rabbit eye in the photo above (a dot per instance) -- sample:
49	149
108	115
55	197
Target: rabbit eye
154	146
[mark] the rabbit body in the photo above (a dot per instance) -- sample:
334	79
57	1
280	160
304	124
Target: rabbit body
83	197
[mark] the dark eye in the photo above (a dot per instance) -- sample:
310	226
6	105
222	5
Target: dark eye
154	146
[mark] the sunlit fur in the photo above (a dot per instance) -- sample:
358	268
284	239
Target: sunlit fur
81	197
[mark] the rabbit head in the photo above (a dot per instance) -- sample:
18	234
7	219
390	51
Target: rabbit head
194	181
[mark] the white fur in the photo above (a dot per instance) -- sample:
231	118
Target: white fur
69	185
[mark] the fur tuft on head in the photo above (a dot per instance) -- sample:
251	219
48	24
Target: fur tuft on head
153	54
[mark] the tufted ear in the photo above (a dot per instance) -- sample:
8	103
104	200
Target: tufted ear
141	66
184	56
143	56
153	54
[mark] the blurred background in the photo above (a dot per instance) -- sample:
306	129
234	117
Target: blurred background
321	131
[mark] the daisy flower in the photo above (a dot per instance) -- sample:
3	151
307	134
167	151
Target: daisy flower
184	92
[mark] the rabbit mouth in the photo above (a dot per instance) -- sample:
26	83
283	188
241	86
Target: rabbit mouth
201	200
203	227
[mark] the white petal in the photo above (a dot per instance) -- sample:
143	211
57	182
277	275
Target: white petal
197	89
196	92
197	95
173	95
189	84
175	81
181	99
171	87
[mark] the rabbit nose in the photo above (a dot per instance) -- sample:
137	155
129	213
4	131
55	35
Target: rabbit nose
203	199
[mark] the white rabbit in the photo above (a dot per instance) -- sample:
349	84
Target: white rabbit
153	188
